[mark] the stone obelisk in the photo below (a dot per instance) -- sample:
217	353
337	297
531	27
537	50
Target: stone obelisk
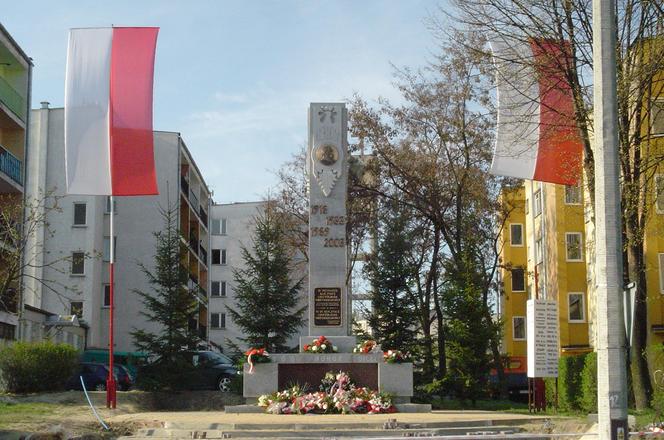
327	164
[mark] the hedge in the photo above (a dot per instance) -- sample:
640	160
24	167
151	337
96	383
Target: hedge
27	367
577	384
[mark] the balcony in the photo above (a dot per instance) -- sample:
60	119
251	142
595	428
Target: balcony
193	199
204	216
11	166
203	253
12	99
184	185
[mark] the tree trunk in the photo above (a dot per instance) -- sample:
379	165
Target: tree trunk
638	365
428	367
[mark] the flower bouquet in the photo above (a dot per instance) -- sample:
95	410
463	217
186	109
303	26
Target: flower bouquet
320	345
365	348
395	357
256	356
341	397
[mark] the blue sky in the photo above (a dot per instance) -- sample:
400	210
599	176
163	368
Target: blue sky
235	77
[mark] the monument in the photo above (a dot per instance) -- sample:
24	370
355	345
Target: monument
329	304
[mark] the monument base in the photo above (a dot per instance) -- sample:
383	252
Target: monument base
344	344
366	370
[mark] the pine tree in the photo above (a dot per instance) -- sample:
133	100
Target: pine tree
266	296
392	317
170	303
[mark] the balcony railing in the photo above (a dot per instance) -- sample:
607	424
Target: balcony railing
10	165
203	254
12	99
194	200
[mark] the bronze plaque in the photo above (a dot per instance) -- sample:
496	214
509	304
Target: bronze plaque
327	307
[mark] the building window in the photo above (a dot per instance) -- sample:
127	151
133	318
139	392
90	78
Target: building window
657	117
576	307
215	226
76	308
573	246
539	254
519	328
107	209
516	234
107	248
572	194
537	202
107	295
661	272
80	217
518	280
218	256
218	320
659	193
218	288
7	331
78	263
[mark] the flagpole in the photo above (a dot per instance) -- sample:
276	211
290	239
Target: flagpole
110	382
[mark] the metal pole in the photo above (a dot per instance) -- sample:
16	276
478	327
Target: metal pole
110	382
611	365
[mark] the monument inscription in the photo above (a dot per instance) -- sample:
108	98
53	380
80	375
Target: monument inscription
327	307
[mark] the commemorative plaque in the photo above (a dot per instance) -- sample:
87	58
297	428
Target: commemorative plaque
327	307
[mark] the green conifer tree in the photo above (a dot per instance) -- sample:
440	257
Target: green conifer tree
392	317
266	297
169	303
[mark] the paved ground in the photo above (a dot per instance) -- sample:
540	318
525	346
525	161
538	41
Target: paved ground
220	417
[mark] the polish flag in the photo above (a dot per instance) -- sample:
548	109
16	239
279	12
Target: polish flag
537	137
109	146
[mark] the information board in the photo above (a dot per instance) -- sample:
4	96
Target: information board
542	335
327	307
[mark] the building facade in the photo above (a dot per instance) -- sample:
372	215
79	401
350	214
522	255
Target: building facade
544	257
232	228
72	279
15	86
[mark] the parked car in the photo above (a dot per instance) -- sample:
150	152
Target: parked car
123	377
94	376
208	371
211	371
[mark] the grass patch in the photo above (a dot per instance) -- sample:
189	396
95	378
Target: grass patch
22	412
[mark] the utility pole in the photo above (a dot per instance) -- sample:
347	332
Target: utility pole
611	355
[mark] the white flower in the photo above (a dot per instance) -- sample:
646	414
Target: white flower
334	348
389	352
314	348
323	346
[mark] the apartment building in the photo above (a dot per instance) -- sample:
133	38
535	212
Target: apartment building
78	240
15	86
544	254
232	227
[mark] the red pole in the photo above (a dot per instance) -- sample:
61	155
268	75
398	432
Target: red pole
110	382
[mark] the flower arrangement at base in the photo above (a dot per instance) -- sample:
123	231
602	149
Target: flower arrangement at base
395	357
342	397
320	345
257	356
365	348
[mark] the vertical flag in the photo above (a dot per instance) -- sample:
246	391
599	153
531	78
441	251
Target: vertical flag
537	136
109	146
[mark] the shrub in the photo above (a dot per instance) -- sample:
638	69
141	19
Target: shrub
569	382
28	367
589	383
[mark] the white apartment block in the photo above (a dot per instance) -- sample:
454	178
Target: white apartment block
81	231
232	227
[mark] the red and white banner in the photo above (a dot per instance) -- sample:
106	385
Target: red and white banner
537	137
109	146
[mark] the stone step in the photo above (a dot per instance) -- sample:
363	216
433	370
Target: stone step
313	432
378	424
